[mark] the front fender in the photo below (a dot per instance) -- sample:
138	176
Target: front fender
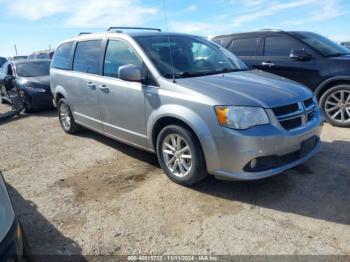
195	122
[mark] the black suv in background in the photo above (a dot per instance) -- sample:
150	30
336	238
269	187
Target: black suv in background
308	58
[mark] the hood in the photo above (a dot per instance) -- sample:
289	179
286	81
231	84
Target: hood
39	81
248	88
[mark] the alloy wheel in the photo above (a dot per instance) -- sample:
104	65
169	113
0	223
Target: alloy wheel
177	155
337	106
65	116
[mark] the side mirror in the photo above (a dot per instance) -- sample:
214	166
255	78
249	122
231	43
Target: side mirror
130	73
299	54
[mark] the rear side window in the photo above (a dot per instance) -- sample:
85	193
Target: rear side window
280	46
62	59
244	47
87	57
118	54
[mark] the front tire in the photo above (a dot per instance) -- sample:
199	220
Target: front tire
335	104
180	155
66	117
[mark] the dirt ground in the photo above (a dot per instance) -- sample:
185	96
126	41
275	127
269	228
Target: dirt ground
87	194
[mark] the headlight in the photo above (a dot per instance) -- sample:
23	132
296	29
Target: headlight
241	117
7	214
35	89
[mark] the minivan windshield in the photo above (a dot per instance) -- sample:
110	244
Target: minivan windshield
33	69
322	44
188	56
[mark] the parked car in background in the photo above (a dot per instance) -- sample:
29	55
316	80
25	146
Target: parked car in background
13	245
19	57
3	60
346	44
195	104
45	54
32	77
308	58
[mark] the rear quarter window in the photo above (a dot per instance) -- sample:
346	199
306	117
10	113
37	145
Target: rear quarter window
62	58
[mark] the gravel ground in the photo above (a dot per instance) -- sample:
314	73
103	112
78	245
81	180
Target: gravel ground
87	194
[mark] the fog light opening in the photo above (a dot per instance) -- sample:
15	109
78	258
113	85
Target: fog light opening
253	163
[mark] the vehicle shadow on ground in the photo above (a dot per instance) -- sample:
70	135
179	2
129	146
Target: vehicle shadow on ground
130	151
45	241
318	189
38	113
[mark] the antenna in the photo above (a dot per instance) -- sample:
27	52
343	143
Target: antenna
170	50
16	50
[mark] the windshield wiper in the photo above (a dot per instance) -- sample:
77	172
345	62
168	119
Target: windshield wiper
227	70
195	73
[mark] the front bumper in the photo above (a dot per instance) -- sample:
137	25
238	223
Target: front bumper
35	100
237	149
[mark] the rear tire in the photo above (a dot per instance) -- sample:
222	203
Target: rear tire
180	155
66	117
335	104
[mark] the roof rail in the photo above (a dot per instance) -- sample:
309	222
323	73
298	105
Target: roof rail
271	29
120	28
84	33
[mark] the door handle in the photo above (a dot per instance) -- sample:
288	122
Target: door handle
91	85
269	64
104	89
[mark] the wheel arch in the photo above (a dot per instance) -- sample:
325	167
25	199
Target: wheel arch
60	92
190	120
329	83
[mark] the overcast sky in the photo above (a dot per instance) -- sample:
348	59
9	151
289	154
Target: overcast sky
34	25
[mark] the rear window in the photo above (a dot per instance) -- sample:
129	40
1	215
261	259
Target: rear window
244	47
62	58
87	57
280	46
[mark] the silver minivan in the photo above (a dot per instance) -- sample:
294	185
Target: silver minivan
195	104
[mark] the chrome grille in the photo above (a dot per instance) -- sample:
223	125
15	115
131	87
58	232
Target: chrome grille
295	115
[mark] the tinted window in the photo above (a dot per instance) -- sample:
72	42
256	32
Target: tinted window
244	47
118	54
87	57
322	44
280	46
33	69
62	59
